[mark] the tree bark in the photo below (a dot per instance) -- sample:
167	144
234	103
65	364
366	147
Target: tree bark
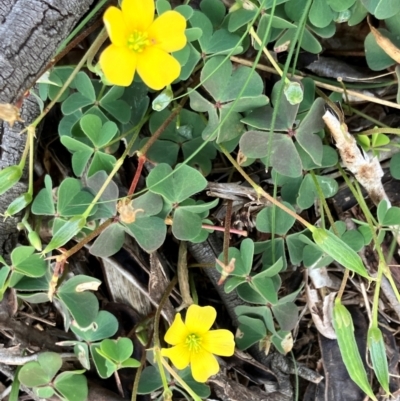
29	36
30	33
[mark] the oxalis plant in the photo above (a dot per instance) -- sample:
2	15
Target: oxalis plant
181	73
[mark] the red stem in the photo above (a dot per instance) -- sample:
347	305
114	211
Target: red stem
135	180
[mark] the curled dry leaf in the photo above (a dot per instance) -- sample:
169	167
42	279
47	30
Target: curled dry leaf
287	343
248	5
92	285
320	278
9	113
321	318
283	47
127	214
386	44
368	172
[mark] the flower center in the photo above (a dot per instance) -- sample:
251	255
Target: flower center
193	342
138	41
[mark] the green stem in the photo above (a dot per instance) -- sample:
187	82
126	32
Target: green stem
273	222
267	53
285	72
117	166
93	49
31	134
343	284
180	381
101	38
230	54
130	131
81	25
100	95
298	47
373	131
374	317
140	368
227	229
161	128
346	96
366	116
382	267
157	354
324	203
25	153
213	134
260	191
157	345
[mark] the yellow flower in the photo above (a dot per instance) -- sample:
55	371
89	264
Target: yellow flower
194	343
140	43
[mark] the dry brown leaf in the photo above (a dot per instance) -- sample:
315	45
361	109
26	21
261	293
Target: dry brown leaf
127	214
387	46
9	113
283	47
91	285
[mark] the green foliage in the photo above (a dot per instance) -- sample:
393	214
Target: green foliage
382	9
375	142
176	187
108	355
343	324
86	96
395	166
41	375
99	135
388	216
271	146
376	347
148	230
24	263
217	42
224	85
65	232
101	126
182	136
262	289
72	199
376	57
82	304
150	381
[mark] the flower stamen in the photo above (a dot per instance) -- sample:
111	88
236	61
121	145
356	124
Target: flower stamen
193	342
138	41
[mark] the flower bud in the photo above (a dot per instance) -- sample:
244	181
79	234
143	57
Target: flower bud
294	93
35	241
18	204
9	176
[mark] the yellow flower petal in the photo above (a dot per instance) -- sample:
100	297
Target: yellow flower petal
203	365
218	342
115	25
177	333
200	319
138	14
118	65
168	31
179	355
157	68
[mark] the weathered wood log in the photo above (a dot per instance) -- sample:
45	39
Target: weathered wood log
30	33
